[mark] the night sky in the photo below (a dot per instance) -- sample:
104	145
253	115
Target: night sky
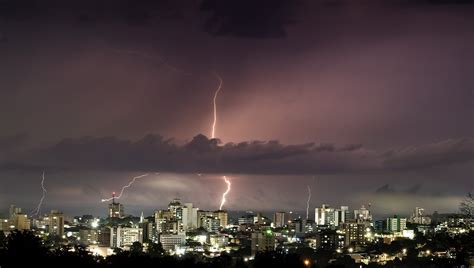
365	101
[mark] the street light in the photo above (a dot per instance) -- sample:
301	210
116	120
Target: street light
307	262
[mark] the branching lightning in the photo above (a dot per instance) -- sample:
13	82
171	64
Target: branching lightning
125	187
307	202
226	192
43	196
213	130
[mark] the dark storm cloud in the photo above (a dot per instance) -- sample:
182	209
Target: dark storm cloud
413	190
442	153
244	18
249	18
91	12
450	2
203	155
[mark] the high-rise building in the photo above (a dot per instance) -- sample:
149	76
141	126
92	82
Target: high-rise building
246	220
149	232
167	223
332	217
280	219
330	239
298	226
115	209
203	214
342	215
262	241
190	217
104	237
355	232
362	214
380	226
56	223
222	216
176	208
125	236
419	217
21	222
259	219
17	220
14	211
4	225
211	224
88	236
396	224
171	241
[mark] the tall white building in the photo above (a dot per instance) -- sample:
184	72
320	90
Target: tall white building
419	217
362	214
190	217
125	236
280	219
326	215
222	216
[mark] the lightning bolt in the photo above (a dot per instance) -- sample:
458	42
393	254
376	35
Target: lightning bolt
38	208
213	131
226	192
307	202
125	187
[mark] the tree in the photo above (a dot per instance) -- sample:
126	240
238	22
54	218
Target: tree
467	206
3	239
136	248
155	250
22	247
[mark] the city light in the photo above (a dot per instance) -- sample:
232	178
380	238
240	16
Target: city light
307	262
177	230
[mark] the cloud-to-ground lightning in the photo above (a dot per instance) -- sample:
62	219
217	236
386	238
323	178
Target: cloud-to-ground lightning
43	196
175	69
125	187
227	181
307	202
214	100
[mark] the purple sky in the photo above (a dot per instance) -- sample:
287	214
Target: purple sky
374	100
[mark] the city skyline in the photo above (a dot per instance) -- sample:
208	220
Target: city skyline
365	102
